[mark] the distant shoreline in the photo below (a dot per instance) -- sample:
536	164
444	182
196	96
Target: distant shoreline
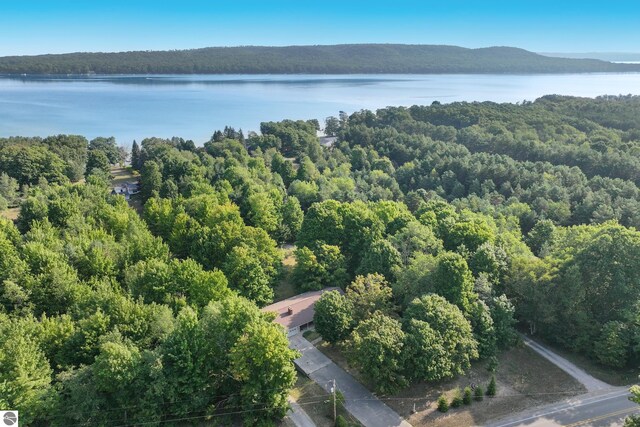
321	60
29	76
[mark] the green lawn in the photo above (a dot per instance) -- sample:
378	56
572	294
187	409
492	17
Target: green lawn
285	288
122	175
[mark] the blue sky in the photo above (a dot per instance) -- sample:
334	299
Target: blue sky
33	27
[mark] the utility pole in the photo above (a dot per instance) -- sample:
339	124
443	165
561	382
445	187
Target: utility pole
333	390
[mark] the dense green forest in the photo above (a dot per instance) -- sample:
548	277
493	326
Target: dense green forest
446	225
332	59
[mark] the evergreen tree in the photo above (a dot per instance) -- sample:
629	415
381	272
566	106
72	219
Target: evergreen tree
457	399
136	159
478	393
492	387
443	403
467	396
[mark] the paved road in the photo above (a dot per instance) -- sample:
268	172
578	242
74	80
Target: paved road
370	411
594	410
591	384
299	416
603	405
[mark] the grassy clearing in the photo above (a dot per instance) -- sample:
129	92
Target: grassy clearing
613	376
524	379
316	403
122	175
11	213
286	288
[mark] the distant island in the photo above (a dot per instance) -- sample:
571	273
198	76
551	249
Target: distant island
334	59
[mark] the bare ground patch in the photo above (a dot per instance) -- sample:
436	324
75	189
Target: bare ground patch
11	213
524	379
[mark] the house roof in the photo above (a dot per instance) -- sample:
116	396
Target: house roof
328	141
302	308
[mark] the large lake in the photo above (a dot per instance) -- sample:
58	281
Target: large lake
135	107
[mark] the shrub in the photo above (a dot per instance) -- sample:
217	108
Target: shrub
456	402
468	396
478	394
341	422
492	388
443	403
492	366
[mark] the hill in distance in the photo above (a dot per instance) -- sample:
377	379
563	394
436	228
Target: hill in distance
331	59
604	56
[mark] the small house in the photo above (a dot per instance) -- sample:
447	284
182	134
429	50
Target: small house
296	313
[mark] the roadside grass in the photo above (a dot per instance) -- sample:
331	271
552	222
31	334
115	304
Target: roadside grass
317	403
310	335
285	288
613	376
524	380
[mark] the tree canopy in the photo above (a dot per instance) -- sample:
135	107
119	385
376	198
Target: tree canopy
445	226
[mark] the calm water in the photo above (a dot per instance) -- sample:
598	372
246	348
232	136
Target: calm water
135	107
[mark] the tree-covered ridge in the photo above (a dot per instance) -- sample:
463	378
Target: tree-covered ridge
331	59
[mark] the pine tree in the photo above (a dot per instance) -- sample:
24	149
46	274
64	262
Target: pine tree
492	388
443	403
478	394
468	396
457	399
135	156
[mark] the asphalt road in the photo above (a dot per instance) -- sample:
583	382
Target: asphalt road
603	405
590	383
298	416
600	410
359	401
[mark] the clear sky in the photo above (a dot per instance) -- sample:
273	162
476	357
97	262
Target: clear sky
56	26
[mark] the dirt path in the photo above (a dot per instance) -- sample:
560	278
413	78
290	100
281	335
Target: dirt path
590	383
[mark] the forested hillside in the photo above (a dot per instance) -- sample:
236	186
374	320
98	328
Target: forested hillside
332	59
446	225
